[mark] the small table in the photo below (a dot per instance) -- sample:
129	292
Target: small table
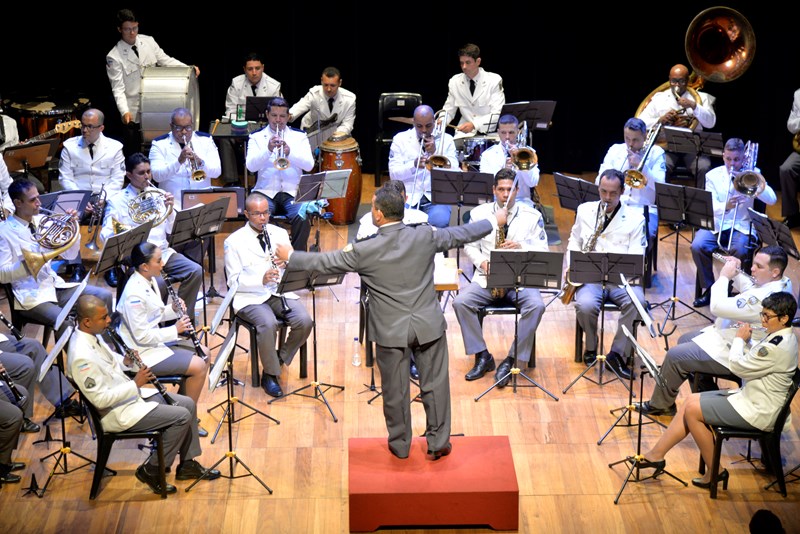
222	130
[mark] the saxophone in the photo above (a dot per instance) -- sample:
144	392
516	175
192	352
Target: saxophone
499	239
568	292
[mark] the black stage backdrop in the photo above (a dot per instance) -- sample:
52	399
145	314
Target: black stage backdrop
597	63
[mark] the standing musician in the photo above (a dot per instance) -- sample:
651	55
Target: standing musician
280	155
176	265
503	155
183	159
397	265
706	351
790	169
249	257
12	422
618	229
730	215
124	403
125	64
678	106
327	105
524	231
408	159
477	94
143	310
630	155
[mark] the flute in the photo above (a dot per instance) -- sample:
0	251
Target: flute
198	348
14	330
719	257
19	398
134	355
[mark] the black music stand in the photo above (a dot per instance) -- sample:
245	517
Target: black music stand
119	246
255	108
681	206
468	188
294	281
602	268
650	367
687	141
512	269
23	158
772	232
573	191
223	365
61	201
195	225
538	114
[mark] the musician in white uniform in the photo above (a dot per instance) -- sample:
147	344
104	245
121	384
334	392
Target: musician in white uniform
524	231
706	351
789	171
327	106
279	185
502	155
174	156
408	155
5	183
248	259
367	228
629	155
176	265
727	203
125	64
477	94
676	106
619	229
125	404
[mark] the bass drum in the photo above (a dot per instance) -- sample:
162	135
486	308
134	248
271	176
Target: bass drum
163	89
341	152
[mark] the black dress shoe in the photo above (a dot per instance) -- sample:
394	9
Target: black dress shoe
589	357
435	455
504	370
614	361
17	466
78	274
722	477
202	432
414	372
7	476
482	365
271	386
646	409
659	466
703	300
111	277
152	481
69	408
29	426
792	221
191	469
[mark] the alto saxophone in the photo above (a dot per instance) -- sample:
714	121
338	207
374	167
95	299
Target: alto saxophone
568	292
499	239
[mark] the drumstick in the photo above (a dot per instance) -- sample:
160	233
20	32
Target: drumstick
214	129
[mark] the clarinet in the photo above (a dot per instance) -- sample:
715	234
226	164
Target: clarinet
134	355
14	331
284	304
198	348
19	398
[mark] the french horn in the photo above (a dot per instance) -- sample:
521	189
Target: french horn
56	233
150	205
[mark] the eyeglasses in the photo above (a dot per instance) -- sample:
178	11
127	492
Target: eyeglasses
182	128
258	213
90	127
767	316
677	81
132	29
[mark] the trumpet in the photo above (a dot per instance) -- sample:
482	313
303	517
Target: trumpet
95	222
56	232
198	175
635	178
719	257
281	162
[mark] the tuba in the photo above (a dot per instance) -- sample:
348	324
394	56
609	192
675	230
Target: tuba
56	233
149	205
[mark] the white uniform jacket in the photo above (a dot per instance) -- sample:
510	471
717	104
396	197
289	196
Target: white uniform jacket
480	108
78	170
247	261
664	101
5	183
494	159
654	169
793	122
125	69
624	234
29	292
97	371
719	182
117	209
260	159
402	163
315	106
767	369
525	226
410	216
240	89
175	177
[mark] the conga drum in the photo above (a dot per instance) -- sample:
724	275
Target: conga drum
339	152
164	89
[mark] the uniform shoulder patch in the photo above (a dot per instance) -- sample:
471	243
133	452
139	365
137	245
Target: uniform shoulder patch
161	137
740	303
776	340
89	382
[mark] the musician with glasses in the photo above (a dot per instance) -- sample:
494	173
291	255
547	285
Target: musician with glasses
327	105
280	155
705	352
408	160
477	94
790	169
732	226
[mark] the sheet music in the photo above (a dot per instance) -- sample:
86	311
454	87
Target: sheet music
226	302
222	357
71	303
53	354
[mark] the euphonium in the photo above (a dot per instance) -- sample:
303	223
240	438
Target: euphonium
635	178
569	289
198	175
149	205
281	162
57	233
438	160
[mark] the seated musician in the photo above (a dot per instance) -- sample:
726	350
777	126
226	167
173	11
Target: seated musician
618	229
477	94
91	162
408	160
22	371
249	258
124	404
142	310
630	155
118	216
504	154
731	218
524	231
327	106
706	351
278	180
12	422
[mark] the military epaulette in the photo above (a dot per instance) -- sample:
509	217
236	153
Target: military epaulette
260	129
370	236
776	340
202	134
296	129
160	137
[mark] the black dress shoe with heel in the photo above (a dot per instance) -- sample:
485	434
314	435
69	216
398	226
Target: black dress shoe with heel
659	466
483	364
722	477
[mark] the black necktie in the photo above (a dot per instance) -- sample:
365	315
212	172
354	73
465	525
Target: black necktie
32	228
91	150
330	104
472	87
254	88
262	241
135	50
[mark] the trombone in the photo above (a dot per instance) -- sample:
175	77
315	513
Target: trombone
526	157
281	162
438	160
95	222
746	182
635	178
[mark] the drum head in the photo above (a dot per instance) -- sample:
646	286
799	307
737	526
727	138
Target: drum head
343	143
163	89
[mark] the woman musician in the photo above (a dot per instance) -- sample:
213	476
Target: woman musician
142	312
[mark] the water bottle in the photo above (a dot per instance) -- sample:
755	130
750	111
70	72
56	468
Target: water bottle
356	352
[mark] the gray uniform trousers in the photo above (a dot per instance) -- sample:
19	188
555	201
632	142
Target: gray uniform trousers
471	298
180	436
681	361
23	366
11	419
589	298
